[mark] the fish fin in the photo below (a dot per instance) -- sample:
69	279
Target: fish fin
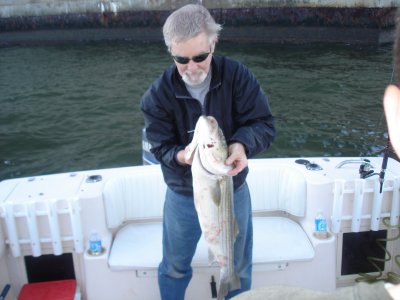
224	191
216	199
217	194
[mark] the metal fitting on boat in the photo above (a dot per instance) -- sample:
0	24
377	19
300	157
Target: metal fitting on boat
309	165
93	178
352	161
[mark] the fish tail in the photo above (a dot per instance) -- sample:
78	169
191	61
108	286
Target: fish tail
223	290
228	284
235	283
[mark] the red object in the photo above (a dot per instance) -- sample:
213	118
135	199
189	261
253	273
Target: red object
49	290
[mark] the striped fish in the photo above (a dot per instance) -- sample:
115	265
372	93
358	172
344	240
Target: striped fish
213	197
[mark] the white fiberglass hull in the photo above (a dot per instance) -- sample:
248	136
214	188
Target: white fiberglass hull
56	214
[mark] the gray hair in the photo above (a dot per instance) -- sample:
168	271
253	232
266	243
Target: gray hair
187	22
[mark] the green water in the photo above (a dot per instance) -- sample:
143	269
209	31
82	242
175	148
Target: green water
76	107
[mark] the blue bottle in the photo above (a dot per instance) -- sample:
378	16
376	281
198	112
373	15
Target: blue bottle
95	247
321	230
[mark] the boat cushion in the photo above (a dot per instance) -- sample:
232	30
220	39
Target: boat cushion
49	290
135	196
276	239
277	187
140	195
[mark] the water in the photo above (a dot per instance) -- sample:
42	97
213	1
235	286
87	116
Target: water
76	107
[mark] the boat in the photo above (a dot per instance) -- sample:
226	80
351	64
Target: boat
47	225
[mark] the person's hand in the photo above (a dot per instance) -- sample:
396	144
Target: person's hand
184	159
391	102
237	157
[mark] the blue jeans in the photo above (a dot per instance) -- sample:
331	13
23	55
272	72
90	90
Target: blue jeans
181	232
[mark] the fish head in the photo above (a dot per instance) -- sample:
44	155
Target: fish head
212	145
207	126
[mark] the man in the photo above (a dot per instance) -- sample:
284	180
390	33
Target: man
201	83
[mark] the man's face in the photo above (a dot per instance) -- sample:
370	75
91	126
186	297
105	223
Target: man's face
193	73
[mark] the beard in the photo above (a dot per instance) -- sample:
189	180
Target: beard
194	78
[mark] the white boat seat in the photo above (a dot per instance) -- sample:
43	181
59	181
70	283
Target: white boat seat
279	239
132	200
138	246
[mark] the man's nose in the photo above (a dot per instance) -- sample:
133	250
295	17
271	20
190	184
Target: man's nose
192	65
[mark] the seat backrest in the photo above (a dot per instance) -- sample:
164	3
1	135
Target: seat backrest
140	194
137	195
277	187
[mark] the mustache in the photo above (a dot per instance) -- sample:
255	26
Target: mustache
194	72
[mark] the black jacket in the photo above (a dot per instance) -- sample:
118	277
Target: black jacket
235	99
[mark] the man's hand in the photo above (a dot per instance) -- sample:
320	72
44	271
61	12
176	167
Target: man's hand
237	157
182	158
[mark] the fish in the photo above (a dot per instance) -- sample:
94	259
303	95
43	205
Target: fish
213	198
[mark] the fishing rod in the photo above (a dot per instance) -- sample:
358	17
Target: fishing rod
387	149
384	164
365	169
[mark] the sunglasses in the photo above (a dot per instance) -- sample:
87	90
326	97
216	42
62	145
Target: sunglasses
197	59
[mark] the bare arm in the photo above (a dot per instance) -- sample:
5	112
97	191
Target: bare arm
391	102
